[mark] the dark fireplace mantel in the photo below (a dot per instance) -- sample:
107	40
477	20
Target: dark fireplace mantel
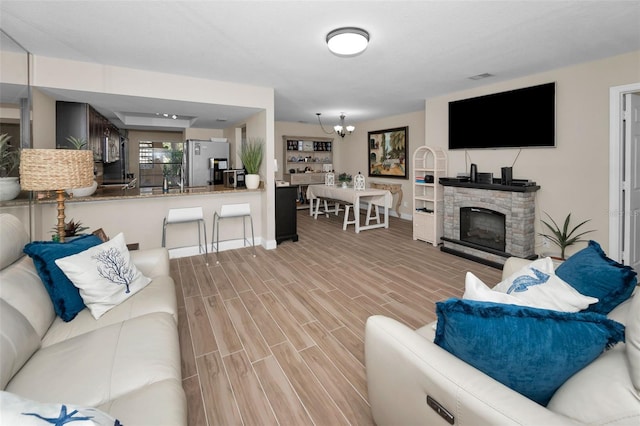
525	186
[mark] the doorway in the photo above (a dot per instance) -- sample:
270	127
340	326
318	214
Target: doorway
624	176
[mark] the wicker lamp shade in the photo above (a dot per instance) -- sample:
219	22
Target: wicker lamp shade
56	170
53	169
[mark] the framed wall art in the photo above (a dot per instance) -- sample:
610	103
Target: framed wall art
387	151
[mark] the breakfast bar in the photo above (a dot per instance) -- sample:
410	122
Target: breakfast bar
139	213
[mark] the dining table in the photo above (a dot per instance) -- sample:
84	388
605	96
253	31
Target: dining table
370	196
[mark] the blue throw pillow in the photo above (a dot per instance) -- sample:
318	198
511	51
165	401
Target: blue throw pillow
64	295
533	351
593	274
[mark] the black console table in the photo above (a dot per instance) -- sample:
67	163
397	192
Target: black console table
286	213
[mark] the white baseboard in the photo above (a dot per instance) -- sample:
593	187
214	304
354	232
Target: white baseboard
179	252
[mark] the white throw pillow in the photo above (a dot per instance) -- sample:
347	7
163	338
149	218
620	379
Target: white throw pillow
104	274
15	410
535	285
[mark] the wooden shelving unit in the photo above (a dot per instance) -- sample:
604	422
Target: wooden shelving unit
429	165
307	156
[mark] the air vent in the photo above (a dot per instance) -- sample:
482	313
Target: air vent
481	76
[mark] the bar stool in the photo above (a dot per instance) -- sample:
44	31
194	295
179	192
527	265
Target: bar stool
186	215
229	211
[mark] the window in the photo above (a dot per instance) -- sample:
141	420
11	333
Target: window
160	159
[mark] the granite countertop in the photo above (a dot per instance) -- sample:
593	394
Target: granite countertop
117	193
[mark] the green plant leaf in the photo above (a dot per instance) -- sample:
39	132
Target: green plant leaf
251	155
77	143
563	237
9	156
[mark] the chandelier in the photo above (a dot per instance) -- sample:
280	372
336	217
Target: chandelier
340	129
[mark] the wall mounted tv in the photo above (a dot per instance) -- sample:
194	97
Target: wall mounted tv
515	119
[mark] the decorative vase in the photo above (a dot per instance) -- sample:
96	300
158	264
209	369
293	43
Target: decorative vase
9	188
83	192
252	181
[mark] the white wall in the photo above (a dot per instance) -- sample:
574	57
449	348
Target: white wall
574	175
43	114
13	67
350	155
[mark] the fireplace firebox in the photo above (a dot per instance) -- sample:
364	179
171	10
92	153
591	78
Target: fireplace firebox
483	227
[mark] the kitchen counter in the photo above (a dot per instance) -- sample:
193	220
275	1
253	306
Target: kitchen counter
115	192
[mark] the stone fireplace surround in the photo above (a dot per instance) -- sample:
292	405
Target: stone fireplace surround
517	203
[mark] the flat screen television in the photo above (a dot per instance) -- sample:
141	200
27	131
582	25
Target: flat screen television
518	118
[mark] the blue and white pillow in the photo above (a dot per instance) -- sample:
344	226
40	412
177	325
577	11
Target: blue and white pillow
532	351
535	285
65	297
15	410
104	274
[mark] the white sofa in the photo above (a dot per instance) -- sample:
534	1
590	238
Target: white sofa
404	366
126	363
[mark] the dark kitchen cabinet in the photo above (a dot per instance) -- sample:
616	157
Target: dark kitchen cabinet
80	120
286	213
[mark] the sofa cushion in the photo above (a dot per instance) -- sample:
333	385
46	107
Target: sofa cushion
15	410
104	274
22	288
64	295
534	285
14	237
18	341
158	296
157	404
592	273
97	367
632	335
601	393
533	351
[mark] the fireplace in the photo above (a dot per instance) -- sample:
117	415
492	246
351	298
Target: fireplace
483	227
489	222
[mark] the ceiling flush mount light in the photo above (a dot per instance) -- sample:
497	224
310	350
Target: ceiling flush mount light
347	41
340	129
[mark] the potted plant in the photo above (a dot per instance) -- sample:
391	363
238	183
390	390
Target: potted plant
71	229
9	162
80	143
345	179
563	237
251	156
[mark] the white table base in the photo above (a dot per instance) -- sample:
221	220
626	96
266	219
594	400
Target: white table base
379	197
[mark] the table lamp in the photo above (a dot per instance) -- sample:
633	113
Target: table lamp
56	170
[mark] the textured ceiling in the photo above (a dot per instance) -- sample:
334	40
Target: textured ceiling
418	49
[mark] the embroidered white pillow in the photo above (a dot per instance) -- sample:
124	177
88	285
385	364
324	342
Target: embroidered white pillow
535	285
104	274
16	410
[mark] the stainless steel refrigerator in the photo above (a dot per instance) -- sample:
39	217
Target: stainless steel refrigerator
197	159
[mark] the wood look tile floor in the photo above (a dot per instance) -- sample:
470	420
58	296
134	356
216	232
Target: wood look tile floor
279	338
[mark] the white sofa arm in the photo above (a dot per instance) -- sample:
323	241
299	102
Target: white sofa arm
151	262
403	368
